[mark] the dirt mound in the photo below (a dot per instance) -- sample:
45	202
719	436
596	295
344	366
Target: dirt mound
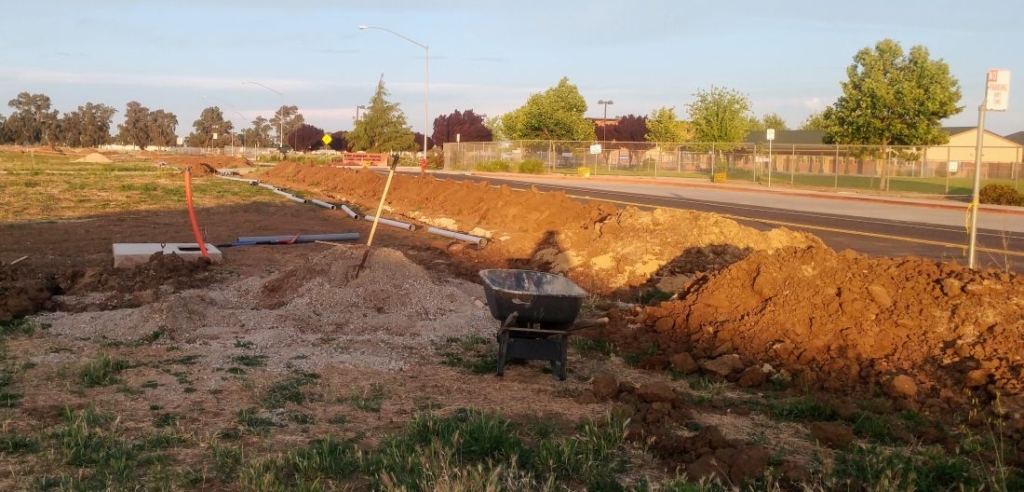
204	164
602	247
94	157
920	330
22	293
311	315
170	271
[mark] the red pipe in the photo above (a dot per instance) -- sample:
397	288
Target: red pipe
192	213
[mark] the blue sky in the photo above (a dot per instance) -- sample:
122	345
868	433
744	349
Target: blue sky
788	56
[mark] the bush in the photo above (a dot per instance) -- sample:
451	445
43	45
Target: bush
495	166
531	166
1000	194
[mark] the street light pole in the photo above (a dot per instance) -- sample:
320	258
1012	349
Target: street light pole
357	110
604	122
280	117
426	81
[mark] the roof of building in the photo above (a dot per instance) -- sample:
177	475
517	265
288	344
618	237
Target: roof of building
1016	137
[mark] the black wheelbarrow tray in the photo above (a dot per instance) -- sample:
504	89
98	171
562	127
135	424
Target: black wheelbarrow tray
537	311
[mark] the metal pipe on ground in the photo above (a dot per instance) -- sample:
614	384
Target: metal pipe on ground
392	223
301	238
323	204
479	241
349	211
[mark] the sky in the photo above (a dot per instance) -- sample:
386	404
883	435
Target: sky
788	56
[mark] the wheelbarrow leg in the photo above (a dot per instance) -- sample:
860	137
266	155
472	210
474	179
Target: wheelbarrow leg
558	367
502	351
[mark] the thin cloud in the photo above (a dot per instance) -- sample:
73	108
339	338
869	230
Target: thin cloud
146	80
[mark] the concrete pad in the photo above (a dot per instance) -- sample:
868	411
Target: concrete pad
131	254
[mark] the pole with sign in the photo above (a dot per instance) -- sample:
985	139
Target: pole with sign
997	98
770	136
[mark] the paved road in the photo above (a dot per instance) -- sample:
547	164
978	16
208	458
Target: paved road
879	226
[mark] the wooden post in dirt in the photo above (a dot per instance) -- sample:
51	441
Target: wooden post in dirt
380	208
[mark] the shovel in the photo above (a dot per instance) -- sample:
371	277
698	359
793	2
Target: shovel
376	217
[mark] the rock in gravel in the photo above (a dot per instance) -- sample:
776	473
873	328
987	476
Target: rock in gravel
976	378
605	386
834	435
655	392
684	363
880	295
724	365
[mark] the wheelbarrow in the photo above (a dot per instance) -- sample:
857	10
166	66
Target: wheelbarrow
537	311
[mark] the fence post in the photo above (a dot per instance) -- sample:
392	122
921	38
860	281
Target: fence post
792	166
836	166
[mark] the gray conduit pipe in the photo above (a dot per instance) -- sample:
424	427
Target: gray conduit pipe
314	201
267	186
249	181
349	211
301	238
392	223
479	241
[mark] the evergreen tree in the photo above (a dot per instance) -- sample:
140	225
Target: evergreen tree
383	127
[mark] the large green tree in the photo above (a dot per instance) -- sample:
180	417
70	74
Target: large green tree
33	121
136	127
162	125
720	116
555	114
816	121
893	98
383	127
664	126
88	126
286	120
259	133
772	121
211	129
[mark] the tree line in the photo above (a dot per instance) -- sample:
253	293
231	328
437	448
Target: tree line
890	98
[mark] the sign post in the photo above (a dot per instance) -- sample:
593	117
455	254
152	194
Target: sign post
770	135
997	98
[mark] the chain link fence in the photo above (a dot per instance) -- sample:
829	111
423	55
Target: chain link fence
943	170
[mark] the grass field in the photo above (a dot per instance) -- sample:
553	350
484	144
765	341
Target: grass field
53	187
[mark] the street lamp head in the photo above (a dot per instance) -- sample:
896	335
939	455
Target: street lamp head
363	28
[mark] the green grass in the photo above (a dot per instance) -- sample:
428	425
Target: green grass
288	390
370	399
102	371
250	360
474	354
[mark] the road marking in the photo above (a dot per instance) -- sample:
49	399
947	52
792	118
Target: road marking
821	228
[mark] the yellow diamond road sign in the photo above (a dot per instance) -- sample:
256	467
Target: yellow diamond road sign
327	139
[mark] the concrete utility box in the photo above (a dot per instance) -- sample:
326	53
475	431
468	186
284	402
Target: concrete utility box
132	254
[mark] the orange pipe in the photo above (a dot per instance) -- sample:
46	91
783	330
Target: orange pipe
192	213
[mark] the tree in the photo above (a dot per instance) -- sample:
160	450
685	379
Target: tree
720	116
259	134
418	137
383	127
815	121
89	125
32	122
162	126
286	120
628	132
773	121
663	126
468	126
3	130
555	114
306	137
136	127
339	141
893	98
211	130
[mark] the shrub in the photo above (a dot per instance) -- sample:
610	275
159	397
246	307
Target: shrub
1000	194
495	166
531	166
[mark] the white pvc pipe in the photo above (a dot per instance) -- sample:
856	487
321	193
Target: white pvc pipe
349	211
267	186
314	201
249	181
392	223
479	241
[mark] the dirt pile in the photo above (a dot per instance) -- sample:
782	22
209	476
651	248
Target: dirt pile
923	332
94	157
206	162
314	314
602	247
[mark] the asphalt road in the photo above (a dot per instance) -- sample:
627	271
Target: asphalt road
924	231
